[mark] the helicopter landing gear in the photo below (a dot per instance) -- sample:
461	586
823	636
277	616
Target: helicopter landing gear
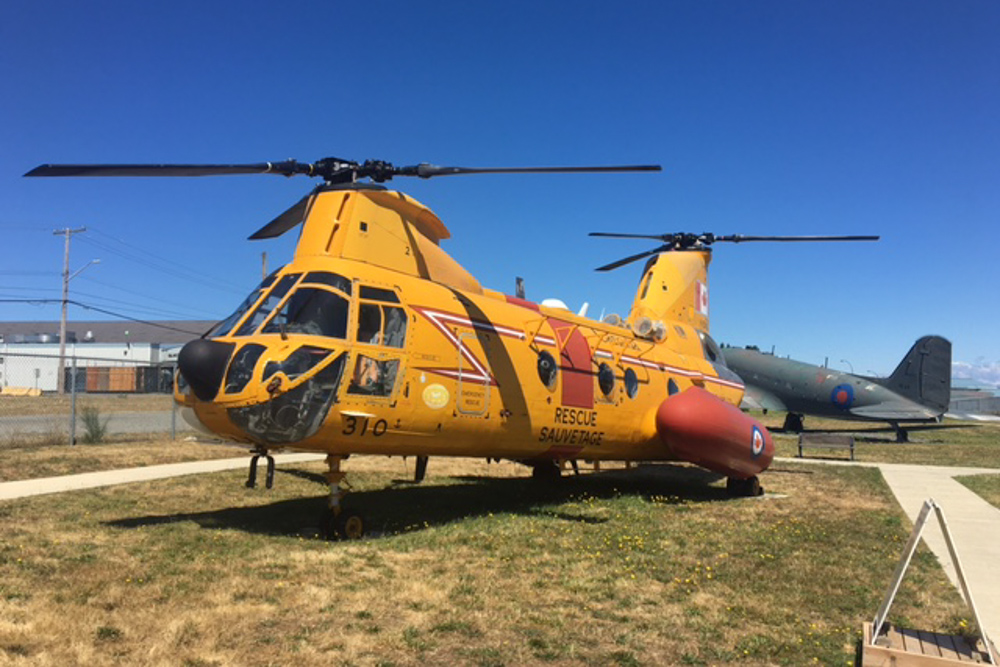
252	477
337	521
421	470
546	471
902	435
744	488
793	423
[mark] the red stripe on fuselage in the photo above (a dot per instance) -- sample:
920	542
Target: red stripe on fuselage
574	358
530	305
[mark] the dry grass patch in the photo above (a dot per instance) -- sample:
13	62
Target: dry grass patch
654	566
54	404
55	460
950	443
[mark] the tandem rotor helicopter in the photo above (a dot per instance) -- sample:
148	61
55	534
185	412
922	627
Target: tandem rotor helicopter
373	340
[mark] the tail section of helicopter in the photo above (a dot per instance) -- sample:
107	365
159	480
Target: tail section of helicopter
674	287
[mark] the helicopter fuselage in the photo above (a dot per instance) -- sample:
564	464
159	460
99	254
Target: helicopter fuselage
373	340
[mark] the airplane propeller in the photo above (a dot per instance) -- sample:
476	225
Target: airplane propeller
688	241
334	171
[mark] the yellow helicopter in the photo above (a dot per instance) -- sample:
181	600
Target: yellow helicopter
373	340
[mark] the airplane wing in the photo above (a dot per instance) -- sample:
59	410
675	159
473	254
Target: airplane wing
895	411
756	398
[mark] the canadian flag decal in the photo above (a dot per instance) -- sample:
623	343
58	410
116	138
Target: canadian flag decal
701	297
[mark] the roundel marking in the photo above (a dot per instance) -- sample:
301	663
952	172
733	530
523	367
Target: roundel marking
436	396
842	396
756	442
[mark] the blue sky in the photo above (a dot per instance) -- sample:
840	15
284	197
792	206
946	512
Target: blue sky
769	117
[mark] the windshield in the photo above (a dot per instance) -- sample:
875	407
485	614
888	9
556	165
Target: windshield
313	311
223	327
269	303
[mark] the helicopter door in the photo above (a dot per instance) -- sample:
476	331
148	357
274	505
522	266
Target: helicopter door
473	378
380	340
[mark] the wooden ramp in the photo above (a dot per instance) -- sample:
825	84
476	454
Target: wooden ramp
885	644
914	648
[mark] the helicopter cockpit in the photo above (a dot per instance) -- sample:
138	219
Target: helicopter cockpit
276	364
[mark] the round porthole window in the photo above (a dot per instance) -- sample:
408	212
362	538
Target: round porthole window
547	369
631	383
606	379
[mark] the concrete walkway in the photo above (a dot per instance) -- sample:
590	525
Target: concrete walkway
973	522
93	480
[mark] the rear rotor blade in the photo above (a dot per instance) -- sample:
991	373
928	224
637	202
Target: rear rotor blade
631	258
616	235
740	238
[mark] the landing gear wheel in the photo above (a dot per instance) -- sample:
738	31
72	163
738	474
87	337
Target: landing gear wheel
349	525
744	488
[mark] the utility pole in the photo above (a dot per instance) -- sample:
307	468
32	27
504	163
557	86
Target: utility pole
263	265
61	379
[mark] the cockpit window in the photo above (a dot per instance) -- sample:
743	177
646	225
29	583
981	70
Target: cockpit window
373	377
378	294
313	311
711	349
380	323
331	279
223	327
264	309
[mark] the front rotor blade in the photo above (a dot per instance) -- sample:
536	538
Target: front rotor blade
285	168
425	170
290	218
630	259
740	238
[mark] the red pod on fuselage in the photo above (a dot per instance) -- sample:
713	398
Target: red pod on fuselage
700	428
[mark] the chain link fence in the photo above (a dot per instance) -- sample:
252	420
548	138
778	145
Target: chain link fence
105	400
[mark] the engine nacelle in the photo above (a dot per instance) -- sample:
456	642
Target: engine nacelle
705	430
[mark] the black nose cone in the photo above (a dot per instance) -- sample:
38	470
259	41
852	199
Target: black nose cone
203	363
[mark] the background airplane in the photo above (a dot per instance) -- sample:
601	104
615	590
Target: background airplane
919	390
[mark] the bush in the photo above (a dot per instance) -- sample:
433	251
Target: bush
94	428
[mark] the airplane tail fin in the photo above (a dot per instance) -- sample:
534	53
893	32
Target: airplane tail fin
924	374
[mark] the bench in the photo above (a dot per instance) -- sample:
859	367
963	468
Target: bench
826	441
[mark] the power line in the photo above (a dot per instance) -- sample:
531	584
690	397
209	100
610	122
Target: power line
102	310
129	291
165	265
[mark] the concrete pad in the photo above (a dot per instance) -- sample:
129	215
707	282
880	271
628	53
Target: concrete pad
93	480
974	525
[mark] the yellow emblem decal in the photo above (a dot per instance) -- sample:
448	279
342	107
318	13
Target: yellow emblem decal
436	396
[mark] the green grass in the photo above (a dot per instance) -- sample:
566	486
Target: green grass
650	567
986	486
950	443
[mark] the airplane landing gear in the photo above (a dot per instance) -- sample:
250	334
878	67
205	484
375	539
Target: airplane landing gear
902	435
252	477
744	488
337	521
793	423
